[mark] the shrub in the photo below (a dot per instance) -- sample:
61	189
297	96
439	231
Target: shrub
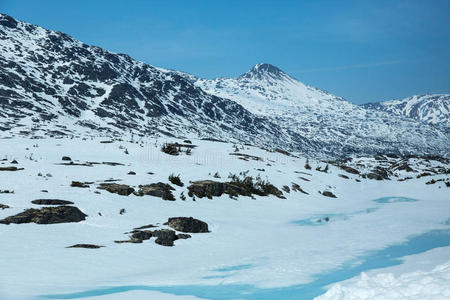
175	180
170	149
307	165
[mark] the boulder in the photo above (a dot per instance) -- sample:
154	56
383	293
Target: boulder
245	187
47	215
10	169
142	235
165	237
328	194
120	189
51	202
187	224
162	190
79	184
210	188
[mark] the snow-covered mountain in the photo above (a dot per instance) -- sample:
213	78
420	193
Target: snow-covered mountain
432	109
329	123
53	84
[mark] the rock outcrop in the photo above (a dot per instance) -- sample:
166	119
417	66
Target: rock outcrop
47	215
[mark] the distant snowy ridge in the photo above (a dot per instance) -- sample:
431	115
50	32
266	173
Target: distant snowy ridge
432	109
323	119
53	84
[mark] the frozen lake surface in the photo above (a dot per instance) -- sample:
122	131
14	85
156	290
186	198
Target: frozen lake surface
387	257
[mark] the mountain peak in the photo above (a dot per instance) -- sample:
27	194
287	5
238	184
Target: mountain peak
263	70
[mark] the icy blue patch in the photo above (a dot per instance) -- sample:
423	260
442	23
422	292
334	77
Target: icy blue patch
234	268
386	257
324	219
394	200
216	276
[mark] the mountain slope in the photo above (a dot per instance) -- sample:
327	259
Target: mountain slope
432	109
53	84
49	80
329	123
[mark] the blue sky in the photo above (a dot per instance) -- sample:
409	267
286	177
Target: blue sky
360	50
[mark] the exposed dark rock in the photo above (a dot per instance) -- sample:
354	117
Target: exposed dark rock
424	174
404	166
51	202
244	187
86	246
349	169
183	236
210	188
142	235
66	158
246	157
7	21
343	176
134	241
47	215
286	189
145	227
297	188
10	169
111	163
162	190
378	174
165	237
328	194
79	184
3	206
121	189
73	164
14	162
187	224
326	219
131	173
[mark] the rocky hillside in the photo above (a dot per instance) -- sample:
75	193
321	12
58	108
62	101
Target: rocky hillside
432	109
49	80
53	84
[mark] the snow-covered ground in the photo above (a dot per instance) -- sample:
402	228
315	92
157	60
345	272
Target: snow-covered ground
256	242
421	276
